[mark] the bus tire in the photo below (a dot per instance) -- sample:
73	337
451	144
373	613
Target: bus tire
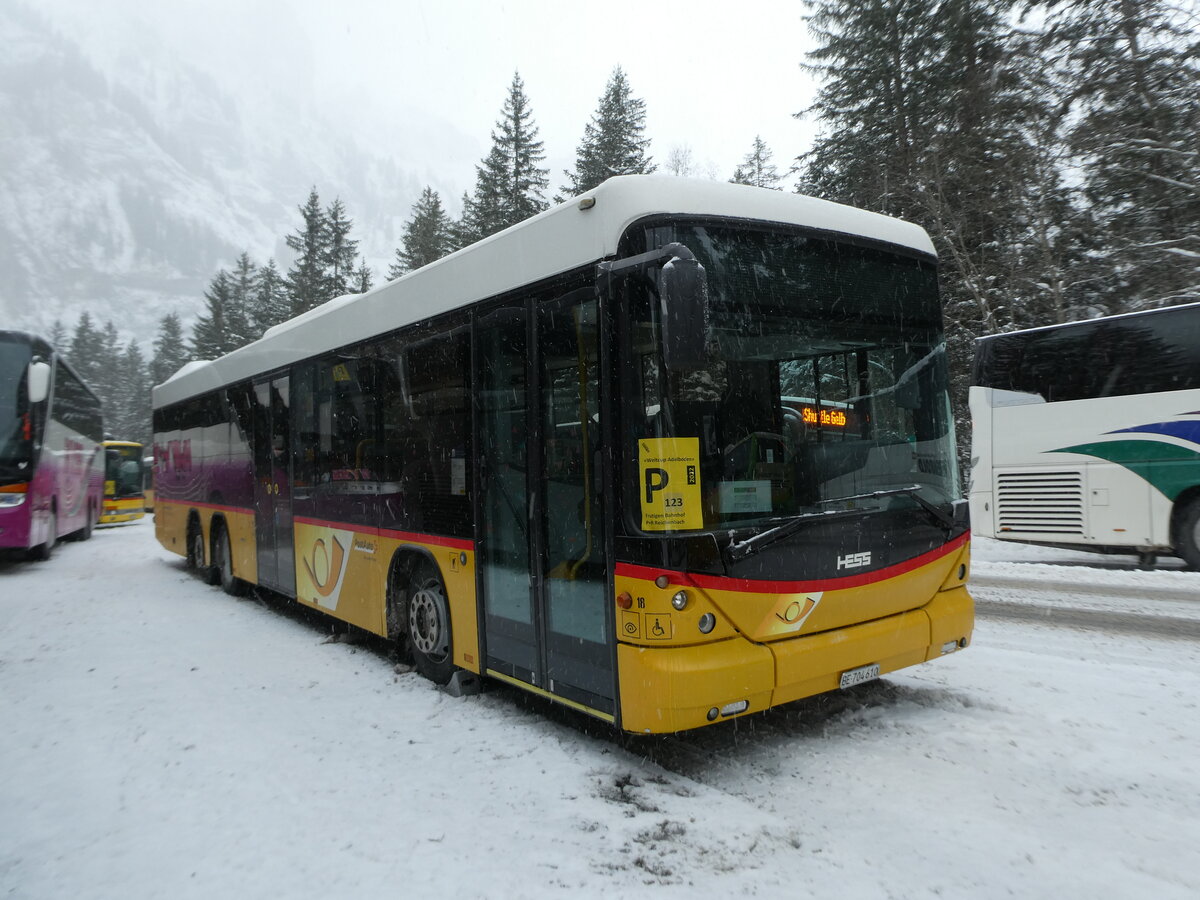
1187	534
196	554
428	621
223	563
85	533
42	551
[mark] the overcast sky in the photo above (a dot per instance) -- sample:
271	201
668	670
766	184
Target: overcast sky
713	75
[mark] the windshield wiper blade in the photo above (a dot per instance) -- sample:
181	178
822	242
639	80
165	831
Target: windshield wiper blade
913	490
742	549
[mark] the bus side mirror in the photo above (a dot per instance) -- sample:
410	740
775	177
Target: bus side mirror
38	381
683	287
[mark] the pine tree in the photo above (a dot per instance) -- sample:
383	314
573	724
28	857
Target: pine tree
427	236
105	378
340	251
509	183
363	278
58	336
270	301
169	351
1133	67
613	142
238	314
307	280
86	349
128	409
757	169
211	337
462	229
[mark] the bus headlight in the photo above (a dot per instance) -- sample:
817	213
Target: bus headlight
707	623
8	501
680	600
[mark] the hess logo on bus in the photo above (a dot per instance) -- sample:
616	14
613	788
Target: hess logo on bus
854	560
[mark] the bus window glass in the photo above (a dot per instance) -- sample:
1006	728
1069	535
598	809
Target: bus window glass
16	427
826	379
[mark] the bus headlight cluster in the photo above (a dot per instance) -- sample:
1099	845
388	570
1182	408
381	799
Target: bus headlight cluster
8	500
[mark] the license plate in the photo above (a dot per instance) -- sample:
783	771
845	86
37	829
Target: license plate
860	675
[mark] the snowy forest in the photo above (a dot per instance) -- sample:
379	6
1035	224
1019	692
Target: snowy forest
1050	148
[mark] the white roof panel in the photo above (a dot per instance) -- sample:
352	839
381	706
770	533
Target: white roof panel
558	240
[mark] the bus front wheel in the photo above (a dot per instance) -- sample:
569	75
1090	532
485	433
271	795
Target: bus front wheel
429	625
1187	537
42	551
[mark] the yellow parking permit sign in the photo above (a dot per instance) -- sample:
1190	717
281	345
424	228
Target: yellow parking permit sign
670	484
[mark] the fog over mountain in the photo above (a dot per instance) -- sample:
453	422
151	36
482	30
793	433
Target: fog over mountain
127	180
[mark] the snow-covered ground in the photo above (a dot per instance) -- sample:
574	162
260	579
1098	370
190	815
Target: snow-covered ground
161	739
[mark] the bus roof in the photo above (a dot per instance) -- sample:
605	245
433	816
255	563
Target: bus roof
553	242
1041	329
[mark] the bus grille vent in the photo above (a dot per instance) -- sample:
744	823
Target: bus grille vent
1040	503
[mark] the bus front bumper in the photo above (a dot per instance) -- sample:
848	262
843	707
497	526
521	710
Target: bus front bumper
668	689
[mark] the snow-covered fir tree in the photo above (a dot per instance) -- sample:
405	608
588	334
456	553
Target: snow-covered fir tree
757	169
427	235
307	281
210	334
510	185
341	251
1131	76
272	302
170	352
614	141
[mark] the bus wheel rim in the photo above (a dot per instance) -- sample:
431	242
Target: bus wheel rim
427	612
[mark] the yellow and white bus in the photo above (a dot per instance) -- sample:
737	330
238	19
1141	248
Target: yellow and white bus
124	500
572	458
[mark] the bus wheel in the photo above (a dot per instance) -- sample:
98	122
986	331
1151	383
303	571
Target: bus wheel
429	625
195	556
223	564
42	551
85	532
1187	537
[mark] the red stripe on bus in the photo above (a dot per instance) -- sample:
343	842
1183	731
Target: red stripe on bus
725	583
409	536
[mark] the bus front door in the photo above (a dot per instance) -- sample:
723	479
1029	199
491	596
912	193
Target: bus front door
272	486
541	533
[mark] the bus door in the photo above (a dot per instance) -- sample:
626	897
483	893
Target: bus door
272	485
543	570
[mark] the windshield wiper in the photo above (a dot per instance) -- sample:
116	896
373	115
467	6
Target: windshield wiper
742	549
914	491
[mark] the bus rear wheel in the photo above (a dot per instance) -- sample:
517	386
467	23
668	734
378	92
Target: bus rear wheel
223	564
1187	534
429	625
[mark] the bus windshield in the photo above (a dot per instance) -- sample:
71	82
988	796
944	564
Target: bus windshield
824	387
15	424
123	470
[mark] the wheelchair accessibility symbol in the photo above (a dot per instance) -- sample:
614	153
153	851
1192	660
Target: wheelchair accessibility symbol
660	629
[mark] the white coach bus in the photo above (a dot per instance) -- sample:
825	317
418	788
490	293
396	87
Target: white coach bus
1087	435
